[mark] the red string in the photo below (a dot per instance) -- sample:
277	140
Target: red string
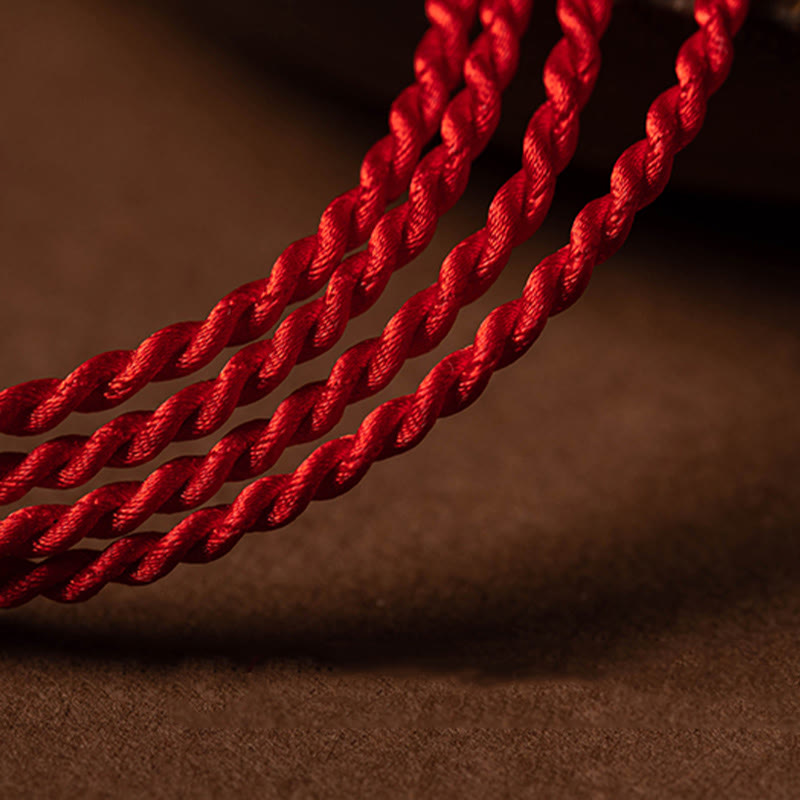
137	437
251	449
248	312
639	175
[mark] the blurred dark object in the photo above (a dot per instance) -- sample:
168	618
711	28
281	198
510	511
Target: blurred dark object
359	52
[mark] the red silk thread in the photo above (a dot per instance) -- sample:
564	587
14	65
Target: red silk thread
304	267
638	177
399	236
251	449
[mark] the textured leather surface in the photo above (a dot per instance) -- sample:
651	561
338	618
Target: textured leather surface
587	585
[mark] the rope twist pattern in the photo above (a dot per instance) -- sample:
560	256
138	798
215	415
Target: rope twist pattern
639	175
516	212
248	312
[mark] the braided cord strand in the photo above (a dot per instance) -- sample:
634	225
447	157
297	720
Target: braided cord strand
516	212
638	177
440	179
245	314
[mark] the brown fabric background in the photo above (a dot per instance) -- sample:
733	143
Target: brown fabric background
588	585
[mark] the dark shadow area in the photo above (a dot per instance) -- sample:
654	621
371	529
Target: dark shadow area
357	54
581	621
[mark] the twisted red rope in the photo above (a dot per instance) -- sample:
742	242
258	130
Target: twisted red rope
248	312
639	175
249	450
137	437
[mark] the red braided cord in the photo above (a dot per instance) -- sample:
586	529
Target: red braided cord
517	210
248	312
638	177
197	410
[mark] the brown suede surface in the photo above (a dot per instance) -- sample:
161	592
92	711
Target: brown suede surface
586	585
